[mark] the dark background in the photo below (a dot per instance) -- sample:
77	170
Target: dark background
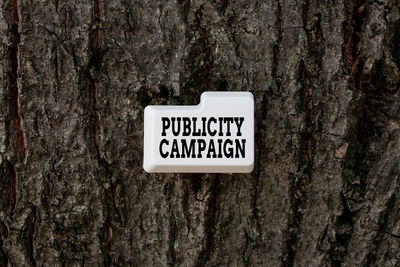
76	76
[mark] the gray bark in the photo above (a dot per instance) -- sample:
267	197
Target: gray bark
77	74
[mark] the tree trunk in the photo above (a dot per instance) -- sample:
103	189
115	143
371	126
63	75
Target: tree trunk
77	74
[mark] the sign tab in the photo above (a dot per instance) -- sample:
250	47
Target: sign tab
216	136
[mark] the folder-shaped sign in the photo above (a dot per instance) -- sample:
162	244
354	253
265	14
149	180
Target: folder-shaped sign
216	136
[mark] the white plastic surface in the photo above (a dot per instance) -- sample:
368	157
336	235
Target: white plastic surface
175	151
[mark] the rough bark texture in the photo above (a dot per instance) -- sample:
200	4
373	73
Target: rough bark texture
77	74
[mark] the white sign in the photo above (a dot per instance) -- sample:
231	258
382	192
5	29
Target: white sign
216	136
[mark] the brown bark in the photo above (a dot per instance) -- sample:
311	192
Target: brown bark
76	76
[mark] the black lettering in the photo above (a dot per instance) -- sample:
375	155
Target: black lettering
194	119
239	122
219	148
175	149
220	126
228	121
164	141
204	126
212	133
211	149
165	125
201	147
229	153
178	130
188	150
240	148
186	126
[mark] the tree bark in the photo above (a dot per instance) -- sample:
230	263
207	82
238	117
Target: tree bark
77	74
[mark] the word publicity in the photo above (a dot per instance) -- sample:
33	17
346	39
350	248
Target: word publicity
194	137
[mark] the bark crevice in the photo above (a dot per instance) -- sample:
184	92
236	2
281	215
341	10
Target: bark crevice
382	231
173	229
205	48
276	47
260	141
344	229
15	115
13	188
31	237
211	218
92	72
344	224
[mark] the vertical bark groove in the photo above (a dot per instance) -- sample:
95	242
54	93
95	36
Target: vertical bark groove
3	254
31	233
173	230
298	184
259	135
13	82
338	250
205	48
108	241
358	13
13	188
210	221
92	72
279	33
382	231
